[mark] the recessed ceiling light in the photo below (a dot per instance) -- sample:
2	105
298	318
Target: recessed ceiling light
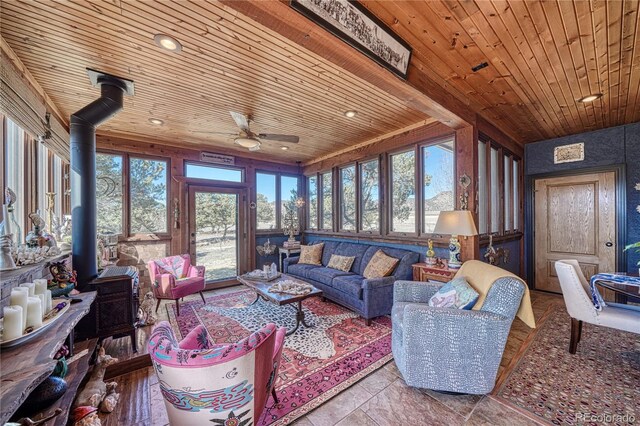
590	98
284	148
167	42
351	113
156	121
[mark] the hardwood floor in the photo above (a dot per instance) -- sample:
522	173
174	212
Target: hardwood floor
380	399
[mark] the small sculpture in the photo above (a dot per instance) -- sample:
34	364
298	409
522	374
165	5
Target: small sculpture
145	311
431	255
97	393
266	249
37	237
493	255
86	416
440	264
63	281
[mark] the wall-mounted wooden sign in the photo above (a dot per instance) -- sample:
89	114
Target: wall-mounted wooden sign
354	24
568	153
210	157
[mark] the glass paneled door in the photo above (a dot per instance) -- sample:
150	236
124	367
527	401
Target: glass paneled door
216	231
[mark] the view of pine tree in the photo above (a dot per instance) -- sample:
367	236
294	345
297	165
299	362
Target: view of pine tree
403	168
312	193
109	193
148	195
216	213
348	198
327	201
370	193
265	211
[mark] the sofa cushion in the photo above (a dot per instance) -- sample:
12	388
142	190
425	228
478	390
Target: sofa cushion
380	265
341	263
330	248
311	255
355	250
301	270
457	293
325	275
350	284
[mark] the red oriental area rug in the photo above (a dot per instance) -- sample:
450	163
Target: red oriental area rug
317	363
599	384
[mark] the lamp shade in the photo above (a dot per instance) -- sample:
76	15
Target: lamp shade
457	222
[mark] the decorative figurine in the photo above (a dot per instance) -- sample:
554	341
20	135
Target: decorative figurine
431	255
86	416
145	311
97	391
63	281
11	198
493	255
291	228
464	182
267	249
37	237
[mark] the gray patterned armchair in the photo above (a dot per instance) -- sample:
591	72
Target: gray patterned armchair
447	349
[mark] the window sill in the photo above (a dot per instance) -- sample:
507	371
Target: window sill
391	238
484	239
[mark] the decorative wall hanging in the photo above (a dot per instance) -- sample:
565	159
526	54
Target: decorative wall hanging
358	27
210	157
464	182
176	213
568	153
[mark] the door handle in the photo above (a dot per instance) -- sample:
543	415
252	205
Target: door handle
608	244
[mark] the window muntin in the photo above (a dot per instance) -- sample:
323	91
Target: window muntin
205	171
403	192
147	196
438	191
370	196
348	198
265	201
326	213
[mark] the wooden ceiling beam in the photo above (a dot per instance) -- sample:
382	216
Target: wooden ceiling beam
418	92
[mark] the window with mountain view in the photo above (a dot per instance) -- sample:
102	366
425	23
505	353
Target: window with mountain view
109	193
438	182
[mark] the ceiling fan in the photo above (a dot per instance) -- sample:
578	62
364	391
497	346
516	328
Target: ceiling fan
252	141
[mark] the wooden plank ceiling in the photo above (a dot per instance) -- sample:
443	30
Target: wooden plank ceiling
542	55
228	63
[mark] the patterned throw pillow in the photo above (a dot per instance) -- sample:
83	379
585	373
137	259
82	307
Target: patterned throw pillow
341	263
311	255
174	265
457	293
380	265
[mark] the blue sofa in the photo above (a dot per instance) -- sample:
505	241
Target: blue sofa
368	297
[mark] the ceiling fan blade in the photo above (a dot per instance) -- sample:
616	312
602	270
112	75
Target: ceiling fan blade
279	138
241	120
214	133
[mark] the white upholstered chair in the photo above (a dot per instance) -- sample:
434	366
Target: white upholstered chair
577	298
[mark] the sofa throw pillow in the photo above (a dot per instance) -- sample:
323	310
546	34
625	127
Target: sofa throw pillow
311	255
457	293
380	266
341	263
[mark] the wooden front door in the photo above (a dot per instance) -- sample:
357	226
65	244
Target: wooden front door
575	218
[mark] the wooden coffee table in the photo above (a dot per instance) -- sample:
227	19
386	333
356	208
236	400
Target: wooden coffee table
262	292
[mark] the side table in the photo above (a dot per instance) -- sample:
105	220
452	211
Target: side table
286	251
424	272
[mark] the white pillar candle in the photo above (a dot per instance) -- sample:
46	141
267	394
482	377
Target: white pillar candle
31	287
34	312
5	219
19	296
48	301
40	285
43	302
12	322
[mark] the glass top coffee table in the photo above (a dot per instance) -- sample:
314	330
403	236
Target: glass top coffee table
262	287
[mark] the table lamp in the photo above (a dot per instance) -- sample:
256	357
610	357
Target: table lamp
455	223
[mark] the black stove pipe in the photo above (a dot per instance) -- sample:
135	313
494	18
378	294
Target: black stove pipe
83	174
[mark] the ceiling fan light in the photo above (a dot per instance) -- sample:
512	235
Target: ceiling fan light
351	113
248	143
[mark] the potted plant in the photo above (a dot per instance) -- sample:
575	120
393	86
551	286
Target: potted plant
636	246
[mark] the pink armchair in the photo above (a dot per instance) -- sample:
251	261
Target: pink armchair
224	384
174	277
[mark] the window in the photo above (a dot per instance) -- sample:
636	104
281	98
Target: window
109	193
42	173
147	196
276	200
203	171
289	201
438	190
312	193
58	187
348	198
266	201
403	205
326	211
498	189
15	173
370	196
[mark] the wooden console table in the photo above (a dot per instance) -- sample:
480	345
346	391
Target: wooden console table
24	367
424	272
